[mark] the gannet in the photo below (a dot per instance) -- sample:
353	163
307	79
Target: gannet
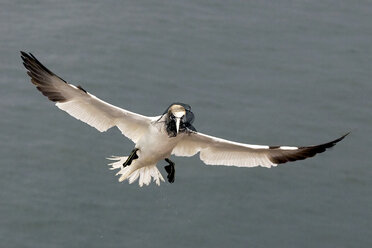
157	138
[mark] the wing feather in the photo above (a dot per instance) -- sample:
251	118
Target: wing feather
82	105
216	151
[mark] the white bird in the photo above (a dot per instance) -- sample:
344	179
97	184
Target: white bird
157	138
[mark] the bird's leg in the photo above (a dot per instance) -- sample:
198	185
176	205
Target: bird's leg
170	170
133	155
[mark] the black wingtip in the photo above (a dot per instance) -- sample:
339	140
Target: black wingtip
303	152
341	138
346	134
41	77
331	143
24	56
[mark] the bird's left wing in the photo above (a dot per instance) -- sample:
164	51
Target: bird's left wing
216	151
82	105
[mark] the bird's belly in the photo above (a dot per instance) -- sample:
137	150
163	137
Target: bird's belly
155	145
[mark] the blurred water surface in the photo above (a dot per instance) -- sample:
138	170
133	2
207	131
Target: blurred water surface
260	72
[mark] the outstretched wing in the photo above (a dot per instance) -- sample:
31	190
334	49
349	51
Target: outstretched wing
82	105
216	151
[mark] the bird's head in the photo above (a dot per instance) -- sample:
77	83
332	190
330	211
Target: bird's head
179	119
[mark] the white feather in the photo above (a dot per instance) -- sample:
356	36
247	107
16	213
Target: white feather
216	151
135	171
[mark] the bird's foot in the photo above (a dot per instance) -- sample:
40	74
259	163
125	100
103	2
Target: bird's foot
170	170
133	155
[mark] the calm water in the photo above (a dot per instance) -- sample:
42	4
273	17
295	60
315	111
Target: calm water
261	72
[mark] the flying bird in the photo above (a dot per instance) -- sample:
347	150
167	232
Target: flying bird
157	138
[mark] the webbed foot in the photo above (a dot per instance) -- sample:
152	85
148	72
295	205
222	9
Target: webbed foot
170	170
133	155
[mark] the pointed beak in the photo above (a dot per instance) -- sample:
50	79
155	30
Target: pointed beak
178	124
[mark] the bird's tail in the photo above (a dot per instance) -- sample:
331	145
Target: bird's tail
135	171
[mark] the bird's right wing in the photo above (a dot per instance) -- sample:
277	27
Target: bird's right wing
216	151
82	105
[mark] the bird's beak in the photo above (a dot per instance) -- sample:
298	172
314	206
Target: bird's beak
178	124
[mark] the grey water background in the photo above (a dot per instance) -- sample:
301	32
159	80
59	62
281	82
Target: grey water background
260	72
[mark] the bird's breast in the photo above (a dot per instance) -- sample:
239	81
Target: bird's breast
156	144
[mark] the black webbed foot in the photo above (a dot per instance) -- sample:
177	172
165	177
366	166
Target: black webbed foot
133	155
170	170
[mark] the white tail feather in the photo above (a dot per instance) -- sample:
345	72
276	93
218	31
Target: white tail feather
133	172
